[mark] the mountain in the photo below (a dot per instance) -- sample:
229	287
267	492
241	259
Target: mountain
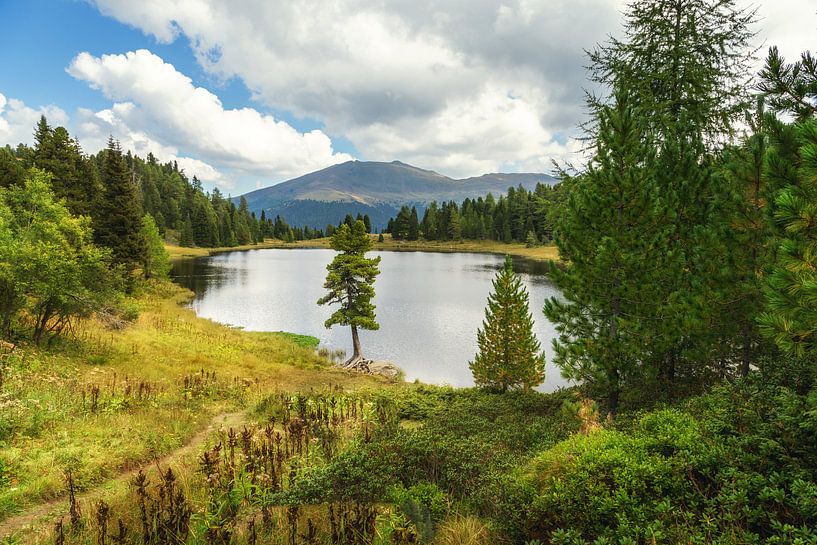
378	189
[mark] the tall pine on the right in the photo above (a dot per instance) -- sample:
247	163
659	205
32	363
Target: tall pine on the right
681	68
614	237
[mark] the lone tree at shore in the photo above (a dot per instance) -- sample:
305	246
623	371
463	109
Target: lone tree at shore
350	284
510	356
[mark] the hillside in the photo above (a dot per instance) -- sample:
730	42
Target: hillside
373	188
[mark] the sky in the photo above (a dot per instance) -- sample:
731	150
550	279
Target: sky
245	94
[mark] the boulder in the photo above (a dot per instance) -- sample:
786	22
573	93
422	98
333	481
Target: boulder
385	369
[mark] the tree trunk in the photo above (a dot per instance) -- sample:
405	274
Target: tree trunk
358	353
357	359
612	394
745	364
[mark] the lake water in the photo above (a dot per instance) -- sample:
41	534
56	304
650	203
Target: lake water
429	305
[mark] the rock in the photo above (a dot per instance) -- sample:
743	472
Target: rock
385	369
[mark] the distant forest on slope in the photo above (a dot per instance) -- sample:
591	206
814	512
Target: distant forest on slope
190	216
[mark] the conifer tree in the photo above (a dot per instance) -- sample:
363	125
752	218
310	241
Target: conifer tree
509	356
685	68
119	218
11	170
71	178
791	316
413	226
791	87
401	226
611	234
454	228
186	233
750	239
350	284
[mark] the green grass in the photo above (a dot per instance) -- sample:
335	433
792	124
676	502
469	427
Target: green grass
49	422
307	341
538	253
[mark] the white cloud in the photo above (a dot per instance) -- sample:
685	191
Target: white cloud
94	129
17	120
406	75
153	98
402	75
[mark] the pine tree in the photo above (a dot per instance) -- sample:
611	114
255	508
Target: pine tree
59	154
611	234
750	238
791	292
119	218
350	284
454	229
509	356
401	226
413	225
186	234
791	87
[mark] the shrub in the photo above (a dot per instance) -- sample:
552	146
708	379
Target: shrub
737	465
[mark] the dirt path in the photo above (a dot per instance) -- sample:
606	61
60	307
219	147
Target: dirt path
50	511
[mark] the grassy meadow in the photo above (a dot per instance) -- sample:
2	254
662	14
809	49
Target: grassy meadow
540	253
104	401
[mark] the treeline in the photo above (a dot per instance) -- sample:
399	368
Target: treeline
182	210
73	237
518	216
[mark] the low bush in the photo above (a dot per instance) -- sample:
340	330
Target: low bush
737	465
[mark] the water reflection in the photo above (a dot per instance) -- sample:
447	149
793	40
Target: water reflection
429	305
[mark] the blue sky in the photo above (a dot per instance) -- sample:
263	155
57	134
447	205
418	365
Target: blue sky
48	34
460	87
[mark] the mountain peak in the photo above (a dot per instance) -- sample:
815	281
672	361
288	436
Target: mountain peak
373	183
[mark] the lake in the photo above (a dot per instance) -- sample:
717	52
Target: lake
429	304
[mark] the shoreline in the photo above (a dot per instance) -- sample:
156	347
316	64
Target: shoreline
545	253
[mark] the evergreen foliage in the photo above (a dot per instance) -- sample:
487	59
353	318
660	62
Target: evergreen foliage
790	87
791	317
49	267
509	356
350	282
11	168
655	301
751	238
611	233
72	177
510	219
686	65
118	225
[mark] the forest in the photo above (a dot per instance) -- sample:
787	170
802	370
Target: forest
686	322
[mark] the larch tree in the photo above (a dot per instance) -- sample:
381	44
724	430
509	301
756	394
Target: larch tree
510	356
350	285
685	66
